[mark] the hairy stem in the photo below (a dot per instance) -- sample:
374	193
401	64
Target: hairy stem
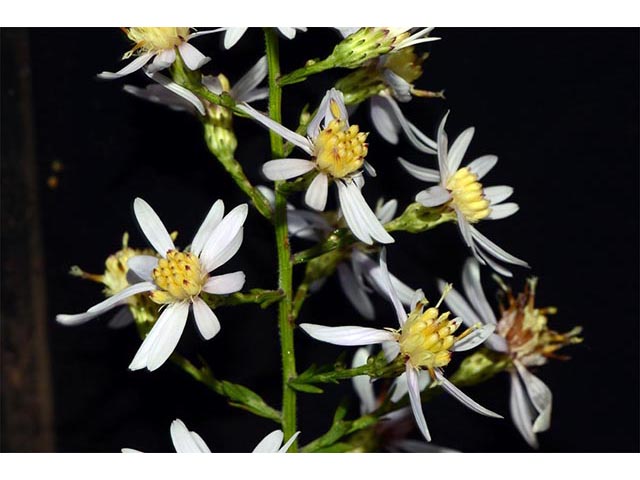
285	267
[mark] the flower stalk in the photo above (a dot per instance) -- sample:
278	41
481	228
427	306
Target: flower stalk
285	266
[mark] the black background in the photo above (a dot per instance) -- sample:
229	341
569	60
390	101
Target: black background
558	106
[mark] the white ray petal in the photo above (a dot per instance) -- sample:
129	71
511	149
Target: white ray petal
495	250
401	314
416	404
486	259
124	294
271	443
288	32
192	57
207	228
286	446
293	137
205	32
459	395
418	139
213	84
225	284
459	148
384	119
142	266
504	210
386	211
161	341
391	350
361	220
72	320
185	441
497	194
121	319
404	292
286	168
232	35
133	66
540	396
473	289
256	94
465	228
162	60
162	96
399	86
206	320
349	335
354	292
433	196
497	343
214	252
400	388
474	339
521	411
459	306
443	145
421	173
362	383
416	297
245	87
223	255
173	87
369	169
482	165
152	227
316	195
313	127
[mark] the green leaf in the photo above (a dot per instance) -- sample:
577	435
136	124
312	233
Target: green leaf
305	387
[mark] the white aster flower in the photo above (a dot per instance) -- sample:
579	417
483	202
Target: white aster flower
424	340
337	153
160	44
185	441
461	190
178	98
393	428
177	278
521	333
233	34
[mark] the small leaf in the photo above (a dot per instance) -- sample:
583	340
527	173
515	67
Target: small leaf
305	387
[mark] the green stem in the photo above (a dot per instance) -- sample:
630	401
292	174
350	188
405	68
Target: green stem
285	267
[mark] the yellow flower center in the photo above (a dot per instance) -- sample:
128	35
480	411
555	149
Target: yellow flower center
155	39
340	151
179	277
468	195
427	337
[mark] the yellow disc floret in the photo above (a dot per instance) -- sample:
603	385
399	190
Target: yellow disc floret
468	196
179	277
340	151
155	39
